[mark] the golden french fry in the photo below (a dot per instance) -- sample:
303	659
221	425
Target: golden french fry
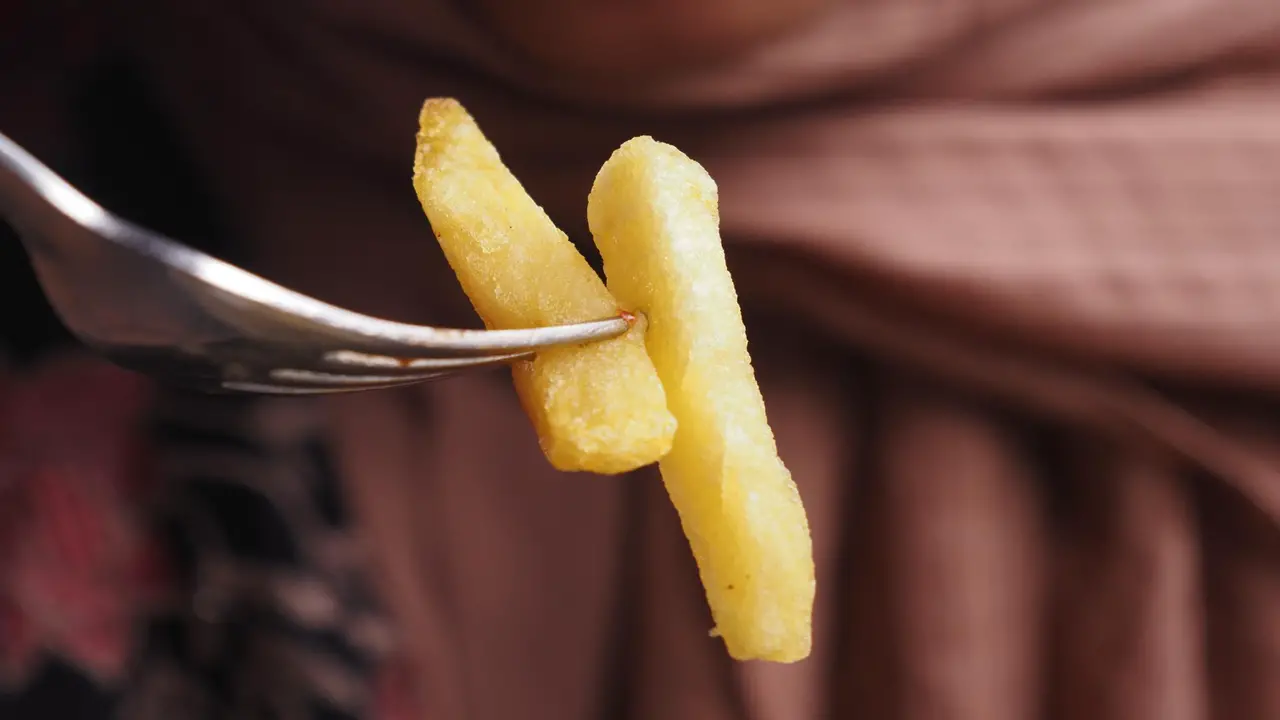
599	407
653	213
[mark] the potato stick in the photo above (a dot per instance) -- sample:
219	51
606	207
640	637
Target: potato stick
653	213
598	407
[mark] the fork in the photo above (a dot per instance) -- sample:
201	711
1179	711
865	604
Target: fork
153	305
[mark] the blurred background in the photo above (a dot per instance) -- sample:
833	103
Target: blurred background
1085	568
73	100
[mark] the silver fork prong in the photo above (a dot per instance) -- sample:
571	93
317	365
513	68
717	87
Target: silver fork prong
350	361
357	371
268	388
157	306
371	334
349	371
295	381
302	377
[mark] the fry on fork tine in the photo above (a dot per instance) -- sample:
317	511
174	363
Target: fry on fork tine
156	306
599	407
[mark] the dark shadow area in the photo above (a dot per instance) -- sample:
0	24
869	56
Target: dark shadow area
59	692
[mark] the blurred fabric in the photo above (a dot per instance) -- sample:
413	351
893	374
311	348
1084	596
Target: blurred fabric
1010	269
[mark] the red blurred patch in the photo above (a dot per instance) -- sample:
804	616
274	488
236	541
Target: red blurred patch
77	565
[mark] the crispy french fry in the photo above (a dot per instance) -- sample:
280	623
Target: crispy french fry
654	215
599	407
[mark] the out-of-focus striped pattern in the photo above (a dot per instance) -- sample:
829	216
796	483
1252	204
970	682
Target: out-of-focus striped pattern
272	616
230	588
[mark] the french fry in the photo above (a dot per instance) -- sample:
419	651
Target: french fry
599	407
654	215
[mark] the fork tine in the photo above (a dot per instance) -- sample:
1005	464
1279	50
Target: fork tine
344	371
259	388
356	371
376	335
316	378
289	381
351	362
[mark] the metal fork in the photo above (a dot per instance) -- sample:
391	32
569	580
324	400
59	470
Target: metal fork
156	306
